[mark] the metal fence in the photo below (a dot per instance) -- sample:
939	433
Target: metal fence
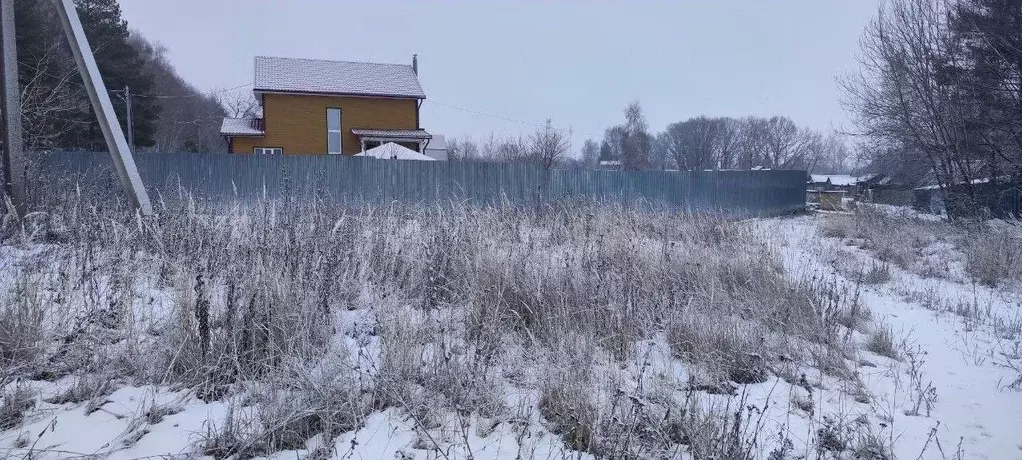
222	178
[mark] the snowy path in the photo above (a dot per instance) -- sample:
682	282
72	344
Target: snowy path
972	407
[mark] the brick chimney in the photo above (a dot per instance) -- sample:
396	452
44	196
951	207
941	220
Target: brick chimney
415	63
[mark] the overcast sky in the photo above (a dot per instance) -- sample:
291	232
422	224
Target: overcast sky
486	63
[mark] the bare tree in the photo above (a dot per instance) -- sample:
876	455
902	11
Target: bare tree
693	143
547	146
508	149
660	157
835	156
462	150
48	99
590	153
728	142
637	141
905	91
751	142
785	144
239	104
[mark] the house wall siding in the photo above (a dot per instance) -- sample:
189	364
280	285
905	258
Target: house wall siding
297	123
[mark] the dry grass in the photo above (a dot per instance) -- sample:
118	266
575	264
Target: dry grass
321	314
16	401
994	256
892	237
991	251
882	342
21	326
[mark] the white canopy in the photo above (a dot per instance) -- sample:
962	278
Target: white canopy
392	151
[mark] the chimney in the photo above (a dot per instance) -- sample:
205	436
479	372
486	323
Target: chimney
415	63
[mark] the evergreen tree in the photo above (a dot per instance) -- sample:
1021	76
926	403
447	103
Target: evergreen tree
121	65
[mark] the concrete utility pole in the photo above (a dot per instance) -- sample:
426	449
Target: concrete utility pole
119	150
13	169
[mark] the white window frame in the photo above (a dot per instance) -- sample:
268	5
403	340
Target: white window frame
338	131
267	151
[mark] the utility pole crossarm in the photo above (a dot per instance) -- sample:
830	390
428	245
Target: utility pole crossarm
115	141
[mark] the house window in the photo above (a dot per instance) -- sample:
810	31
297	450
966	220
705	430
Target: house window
333	130
267	150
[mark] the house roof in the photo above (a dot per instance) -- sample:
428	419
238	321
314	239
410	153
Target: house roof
392	151
392	133
437	143
242	127
316	76
835	179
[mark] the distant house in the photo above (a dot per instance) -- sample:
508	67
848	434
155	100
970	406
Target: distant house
313	106
833	181
437	148
610	165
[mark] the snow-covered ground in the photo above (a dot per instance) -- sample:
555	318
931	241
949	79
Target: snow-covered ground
946	396
961	355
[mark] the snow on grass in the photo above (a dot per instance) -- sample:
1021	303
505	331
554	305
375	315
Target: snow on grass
461	333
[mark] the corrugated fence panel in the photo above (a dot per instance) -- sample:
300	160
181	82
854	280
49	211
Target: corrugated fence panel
222	179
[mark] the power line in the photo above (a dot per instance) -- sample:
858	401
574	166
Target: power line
477	112
181	96
570	130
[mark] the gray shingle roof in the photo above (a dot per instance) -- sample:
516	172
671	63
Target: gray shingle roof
392	133
241	127
336	77
437	143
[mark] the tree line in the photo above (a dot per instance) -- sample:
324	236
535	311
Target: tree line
694	144
168	114
939	90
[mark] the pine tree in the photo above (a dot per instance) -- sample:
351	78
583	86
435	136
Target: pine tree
121	65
